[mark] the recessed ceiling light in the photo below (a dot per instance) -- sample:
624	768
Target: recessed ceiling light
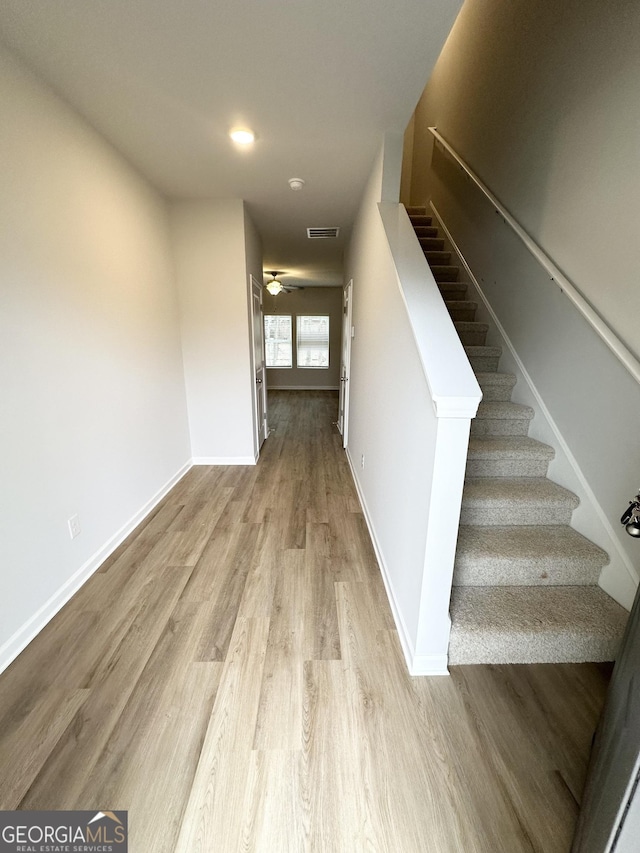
242	136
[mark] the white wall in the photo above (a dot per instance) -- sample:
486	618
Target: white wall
407	364
311	300
93	409
538	99
211	269
396	451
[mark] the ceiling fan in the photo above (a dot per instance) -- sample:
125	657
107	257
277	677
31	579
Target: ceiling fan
275	286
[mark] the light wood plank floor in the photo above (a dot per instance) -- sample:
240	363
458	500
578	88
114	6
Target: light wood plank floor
233	678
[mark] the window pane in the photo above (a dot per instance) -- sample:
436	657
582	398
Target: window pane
277	340
312	348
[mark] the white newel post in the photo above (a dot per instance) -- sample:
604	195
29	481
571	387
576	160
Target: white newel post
442	532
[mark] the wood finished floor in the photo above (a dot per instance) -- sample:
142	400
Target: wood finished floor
233	678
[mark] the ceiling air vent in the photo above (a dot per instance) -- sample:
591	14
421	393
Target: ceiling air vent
322	233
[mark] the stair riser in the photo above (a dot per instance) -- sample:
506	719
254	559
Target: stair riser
501	426
419	220
412	210
467	315
425	231
444	273
507	468
521	573
473	338
452	291
484	364
485	514
496	393
529	649
438	258
432	244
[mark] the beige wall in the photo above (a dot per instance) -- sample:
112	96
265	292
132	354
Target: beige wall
311	300
93	416
211	274
541	99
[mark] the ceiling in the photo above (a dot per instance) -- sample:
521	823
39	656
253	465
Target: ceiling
319	83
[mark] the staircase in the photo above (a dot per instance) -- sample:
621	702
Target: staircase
525	583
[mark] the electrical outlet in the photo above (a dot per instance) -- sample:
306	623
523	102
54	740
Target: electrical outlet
362	461
74	526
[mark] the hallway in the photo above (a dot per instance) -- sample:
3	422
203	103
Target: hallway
232	677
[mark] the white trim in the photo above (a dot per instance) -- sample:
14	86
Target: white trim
225	460
302	387
453	387
416	664
10	650
573	462
624	355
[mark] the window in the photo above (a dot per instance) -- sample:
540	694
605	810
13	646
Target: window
277	340
312	341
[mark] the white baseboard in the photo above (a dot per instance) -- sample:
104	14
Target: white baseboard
416	664
224	460
10	650
303	387
619	578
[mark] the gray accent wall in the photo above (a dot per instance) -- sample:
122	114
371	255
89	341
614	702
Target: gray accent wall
311	300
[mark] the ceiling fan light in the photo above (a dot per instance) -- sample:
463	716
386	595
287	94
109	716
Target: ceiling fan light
274	287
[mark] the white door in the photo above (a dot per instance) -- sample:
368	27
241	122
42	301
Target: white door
257	327
343	406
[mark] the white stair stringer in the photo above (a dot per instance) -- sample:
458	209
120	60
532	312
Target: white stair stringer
525	583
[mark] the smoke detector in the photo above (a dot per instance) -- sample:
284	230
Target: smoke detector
296	184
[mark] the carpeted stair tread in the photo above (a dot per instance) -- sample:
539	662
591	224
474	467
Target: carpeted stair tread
515	501
470	332
504	410
536	624
496	386
507	456
419	220
432	244
437	257
425	231
502	418
483	359
413	210
445	272
535	555
462	309
454	291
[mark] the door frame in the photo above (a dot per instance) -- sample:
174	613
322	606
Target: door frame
345	361
258	371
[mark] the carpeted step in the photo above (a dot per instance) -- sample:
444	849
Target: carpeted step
507	624
515	500
547	555
419	220
462	309
507	456
437	258
425	231
453	291
412	210
496	386
432	244
504	418
445	272
484	359
473	334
